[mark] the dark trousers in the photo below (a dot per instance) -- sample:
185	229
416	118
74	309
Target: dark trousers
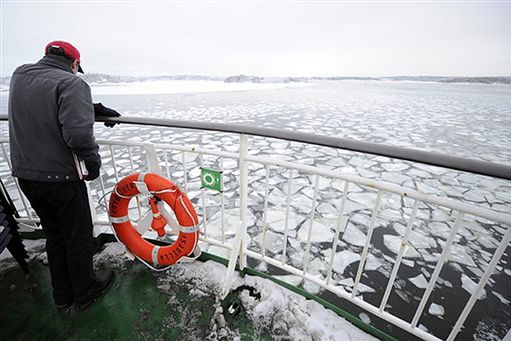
63	208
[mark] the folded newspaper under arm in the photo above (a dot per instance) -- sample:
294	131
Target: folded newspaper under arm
80	167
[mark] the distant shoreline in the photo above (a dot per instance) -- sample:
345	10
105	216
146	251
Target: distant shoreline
97	79
103	78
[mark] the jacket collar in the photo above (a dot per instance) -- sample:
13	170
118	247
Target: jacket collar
55	61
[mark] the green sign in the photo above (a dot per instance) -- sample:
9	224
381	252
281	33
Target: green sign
211	179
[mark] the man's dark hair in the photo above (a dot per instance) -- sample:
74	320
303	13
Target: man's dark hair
58	51
60	54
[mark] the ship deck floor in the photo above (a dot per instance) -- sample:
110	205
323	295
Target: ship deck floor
133	308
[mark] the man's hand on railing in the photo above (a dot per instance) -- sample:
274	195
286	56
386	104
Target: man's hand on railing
101	110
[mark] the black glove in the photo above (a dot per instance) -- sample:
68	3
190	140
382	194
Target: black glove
101	110
93	169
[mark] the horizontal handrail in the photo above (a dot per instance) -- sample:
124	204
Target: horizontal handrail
480	167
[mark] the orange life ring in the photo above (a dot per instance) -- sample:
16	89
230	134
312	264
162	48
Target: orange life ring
160	188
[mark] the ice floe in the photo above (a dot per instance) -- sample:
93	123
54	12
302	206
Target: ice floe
436	310
418	240
439	229
419	281
361	162
459	254
354	236
393	243
320	232
470	286
364	199
397	178
273	241
394	167
276	220
349	283
231	221
342	259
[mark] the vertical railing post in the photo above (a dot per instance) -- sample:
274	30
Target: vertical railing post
306	256
240	240
185	171
222	201
368	242
286	223
402	250
165	158
265	210
152	159
132	166
204	205
443	258
243	199
340	225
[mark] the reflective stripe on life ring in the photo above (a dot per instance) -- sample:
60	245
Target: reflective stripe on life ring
150	183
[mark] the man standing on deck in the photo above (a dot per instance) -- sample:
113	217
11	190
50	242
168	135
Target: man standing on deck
51	118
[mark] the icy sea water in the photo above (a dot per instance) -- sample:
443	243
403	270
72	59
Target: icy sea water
461	119
472	120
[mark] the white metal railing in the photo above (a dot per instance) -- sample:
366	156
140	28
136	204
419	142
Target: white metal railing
123	157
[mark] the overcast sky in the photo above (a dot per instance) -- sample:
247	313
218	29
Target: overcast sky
266	39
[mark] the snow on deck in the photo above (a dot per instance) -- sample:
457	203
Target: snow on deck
283	312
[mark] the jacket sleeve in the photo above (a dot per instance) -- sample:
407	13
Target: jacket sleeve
76	116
